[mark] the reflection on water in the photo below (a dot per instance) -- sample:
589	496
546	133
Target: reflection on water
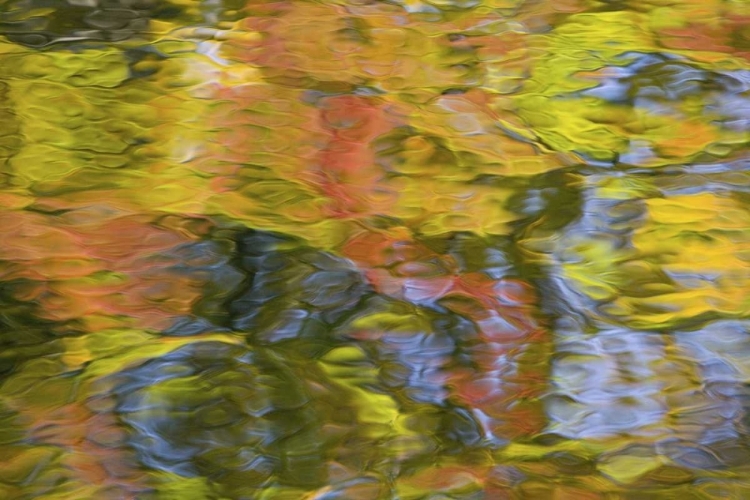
374	250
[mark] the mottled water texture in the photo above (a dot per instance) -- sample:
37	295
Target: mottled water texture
374	250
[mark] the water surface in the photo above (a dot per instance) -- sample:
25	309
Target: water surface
374	250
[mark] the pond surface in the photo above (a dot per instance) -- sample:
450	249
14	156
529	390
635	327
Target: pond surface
373	250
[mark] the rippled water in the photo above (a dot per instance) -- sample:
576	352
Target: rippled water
359	250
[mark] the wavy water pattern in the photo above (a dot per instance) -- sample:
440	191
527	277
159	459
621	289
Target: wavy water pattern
407	249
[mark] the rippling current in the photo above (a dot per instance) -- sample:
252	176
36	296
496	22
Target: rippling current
374	250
